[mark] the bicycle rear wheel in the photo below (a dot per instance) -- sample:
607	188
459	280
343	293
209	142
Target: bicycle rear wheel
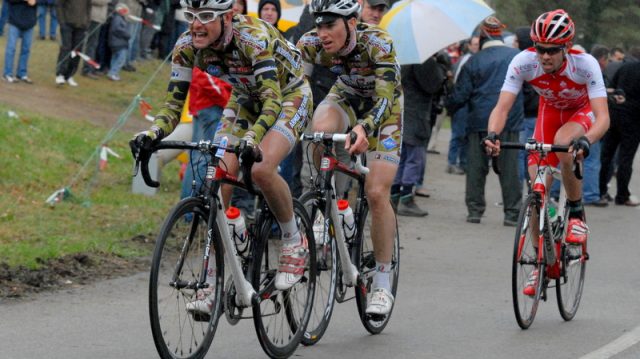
175	277
571	282
281	317
366	264
525	261
326	269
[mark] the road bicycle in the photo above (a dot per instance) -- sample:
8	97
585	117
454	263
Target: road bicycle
195	243
342	262
540	243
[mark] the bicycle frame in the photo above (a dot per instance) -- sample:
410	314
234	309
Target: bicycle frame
328	165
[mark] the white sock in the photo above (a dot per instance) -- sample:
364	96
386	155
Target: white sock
290	232
381	277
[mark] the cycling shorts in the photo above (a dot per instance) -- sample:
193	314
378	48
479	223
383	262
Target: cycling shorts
385	142
297	107
550	119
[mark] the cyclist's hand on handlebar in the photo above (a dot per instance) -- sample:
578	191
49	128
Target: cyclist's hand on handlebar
247	147
142	141
491	144
581	147
360	145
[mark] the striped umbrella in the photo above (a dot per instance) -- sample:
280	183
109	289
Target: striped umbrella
420	28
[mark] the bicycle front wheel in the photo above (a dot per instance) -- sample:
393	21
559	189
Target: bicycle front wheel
176	272
326	269
281	317
366	264
525	262
571	282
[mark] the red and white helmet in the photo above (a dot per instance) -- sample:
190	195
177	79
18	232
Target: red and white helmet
553	27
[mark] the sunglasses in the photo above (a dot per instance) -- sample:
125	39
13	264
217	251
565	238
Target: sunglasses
205	16
548	50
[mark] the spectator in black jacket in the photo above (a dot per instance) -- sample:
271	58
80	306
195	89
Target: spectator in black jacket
624	134
22	19
74	17
419	83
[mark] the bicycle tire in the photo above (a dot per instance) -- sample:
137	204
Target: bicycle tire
177	333
326	270
366	264
281	317
525	261
571	282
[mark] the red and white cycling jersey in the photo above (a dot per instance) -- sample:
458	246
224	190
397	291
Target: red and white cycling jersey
578	80
564	95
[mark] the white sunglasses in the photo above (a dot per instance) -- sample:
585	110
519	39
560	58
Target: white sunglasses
205	16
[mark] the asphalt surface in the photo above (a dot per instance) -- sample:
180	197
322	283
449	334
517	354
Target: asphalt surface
454	298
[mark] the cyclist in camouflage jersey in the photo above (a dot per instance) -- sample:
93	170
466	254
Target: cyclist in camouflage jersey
268	107
366	99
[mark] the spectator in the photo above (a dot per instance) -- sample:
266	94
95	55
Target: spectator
22	19
479	85
623	134
4	14
373	11
270	11
148	31
616	59
208	95
99	12
457	157
419	83
531	102
592	164
118	41
135	9
74	17
239	7
44	7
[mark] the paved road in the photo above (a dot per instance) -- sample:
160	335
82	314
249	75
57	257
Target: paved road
454	298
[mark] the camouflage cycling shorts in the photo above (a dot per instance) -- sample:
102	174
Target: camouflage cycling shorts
296	110
385	142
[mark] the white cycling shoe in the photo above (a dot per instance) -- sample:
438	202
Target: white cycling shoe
380	303
203	302
293	261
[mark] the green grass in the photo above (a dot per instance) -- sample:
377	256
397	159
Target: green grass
41	155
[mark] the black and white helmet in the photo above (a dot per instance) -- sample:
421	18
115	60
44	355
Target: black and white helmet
207	4
344	8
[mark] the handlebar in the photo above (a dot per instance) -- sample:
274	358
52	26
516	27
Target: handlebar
330	138
215	149
540	147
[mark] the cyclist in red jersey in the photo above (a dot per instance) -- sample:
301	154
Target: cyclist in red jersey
573	104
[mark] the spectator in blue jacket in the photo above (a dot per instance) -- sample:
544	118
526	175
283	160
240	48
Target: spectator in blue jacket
479	85
44	7
119	36
22	20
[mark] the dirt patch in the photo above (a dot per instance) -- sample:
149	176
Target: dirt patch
69	271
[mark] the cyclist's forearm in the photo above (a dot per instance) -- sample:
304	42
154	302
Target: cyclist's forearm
601	125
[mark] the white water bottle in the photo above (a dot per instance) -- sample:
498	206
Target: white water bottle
237	228
346	215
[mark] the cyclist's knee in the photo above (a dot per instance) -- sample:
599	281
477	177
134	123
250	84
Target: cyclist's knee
378	195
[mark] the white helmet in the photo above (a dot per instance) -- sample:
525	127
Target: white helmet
207	4
345	8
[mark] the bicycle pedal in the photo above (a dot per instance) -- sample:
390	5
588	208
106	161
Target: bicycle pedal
201	317
376	317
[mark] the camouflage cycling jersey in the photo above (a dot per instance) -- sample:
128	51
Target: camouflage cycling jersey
263	68
368	87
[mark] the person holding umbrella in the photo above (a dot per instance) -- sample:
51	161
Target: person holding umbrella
367	100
